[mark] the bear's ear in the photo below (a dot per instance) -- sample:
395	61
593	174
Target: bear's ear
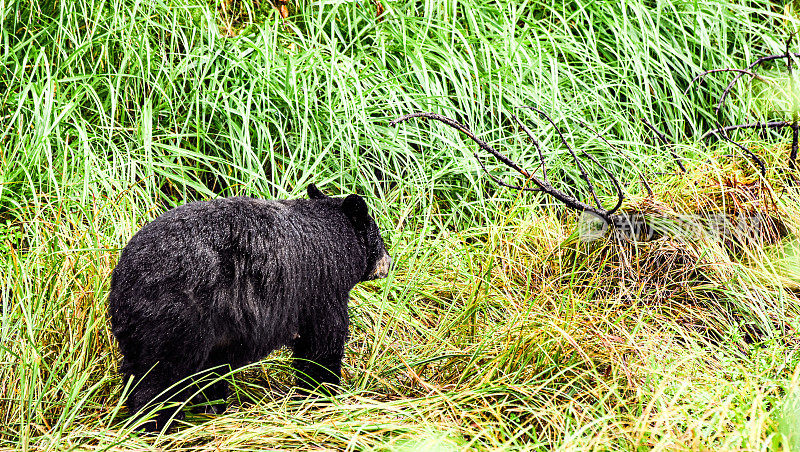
356	210
315	193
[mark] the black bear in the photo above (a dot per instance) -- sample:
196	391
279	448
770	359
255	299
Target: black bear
226	282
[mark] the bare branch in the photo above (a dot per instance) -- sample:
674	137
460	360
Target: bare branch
499	181
535	143
793	154
750	153
752	75
752	125
583	174
465	130
567	199
665	142
620	153
739	75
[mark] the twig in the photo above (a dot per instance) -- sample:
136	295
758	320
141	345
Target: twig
723	131
499	181
793	154
567	199
465	130
535	143
750	153
739	75
752	75
627	159
752	125
583	174
665	142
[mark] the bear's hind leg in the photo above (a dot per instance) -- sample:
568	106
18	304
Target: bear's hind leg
177	357
318	355
213	398
159	384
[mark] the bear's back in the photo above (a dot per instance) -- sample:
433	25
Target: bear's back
213	245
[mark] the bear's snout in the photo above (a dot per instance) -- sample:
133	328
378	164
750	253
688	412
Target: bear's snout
381	267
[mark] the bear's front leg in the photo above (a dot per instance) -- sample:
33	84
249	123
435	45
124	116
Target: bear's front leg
318	353
213	398
155	387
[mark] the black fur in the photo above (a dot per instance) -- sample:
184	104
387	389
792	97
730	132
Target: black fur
225	282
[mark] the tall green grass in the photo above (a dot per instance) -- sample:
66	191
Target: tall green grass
495	331
111	95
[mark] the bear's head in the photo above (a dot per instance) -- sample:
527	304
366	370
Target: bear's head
355	209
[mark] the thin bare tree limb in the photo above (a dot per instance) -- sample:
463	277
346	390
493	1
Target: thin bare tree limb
465	130
663	139
499	181
583	174
535	143
752	125
620	153
752	75
793	154
747	151
749	68
565	198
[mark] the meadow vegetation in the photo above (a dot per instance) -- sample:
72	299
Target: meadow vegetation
499	328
